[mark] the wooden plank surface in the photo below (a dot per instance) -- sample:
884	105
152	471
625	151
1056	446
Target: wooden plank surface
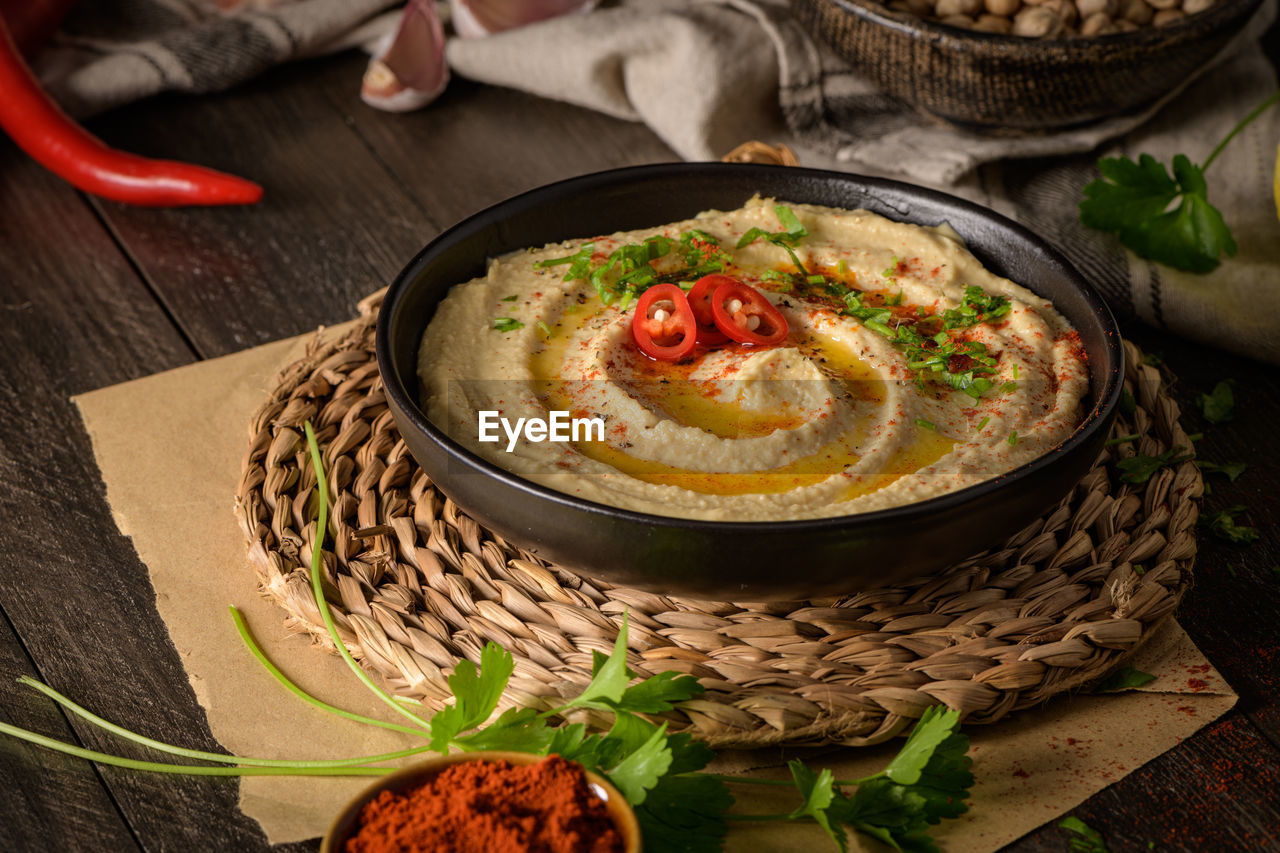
77	317
352	194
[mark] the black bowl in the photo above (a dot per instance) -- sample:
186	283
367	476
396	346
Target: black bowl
738	561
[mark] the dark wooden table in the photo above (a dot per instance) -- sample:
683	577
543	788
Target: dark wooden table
95	293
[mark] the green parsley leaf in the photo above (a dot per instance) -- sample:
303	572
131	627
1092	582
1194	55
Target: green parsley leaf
897	814
818	791
1084	838
1223	525
515	729
512	298
1218	406
1121	439
1124	678
546	330
507	324
475	694
684	814
1128	405
643	765
1132	200
982	423
658	693
1138	469
609	676
933	728
1232	470
1013	438
921	422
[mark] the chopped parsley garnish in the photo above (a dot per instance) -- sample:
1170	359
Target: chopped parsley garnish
1122	439
1138	469
1219	405
1009	386
921	422
978	306
1126	677
507	324
1084	838
1013	438
793	232
1223	525
1128	405
512	298
891	272
546	330
1231	470
628	270
895	299
982	423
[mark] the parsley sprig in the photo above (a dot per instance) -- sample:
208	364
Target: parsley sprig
679	808
1135	201
1139	469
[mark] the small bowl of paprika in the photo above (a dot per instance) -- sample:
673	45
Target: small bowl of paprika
487	801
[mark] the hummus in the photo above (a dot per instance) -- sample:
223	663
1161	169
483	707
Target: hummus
908	371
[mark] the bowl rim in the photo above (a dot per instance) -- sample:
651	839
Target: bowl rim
1108	397
404	777
876	12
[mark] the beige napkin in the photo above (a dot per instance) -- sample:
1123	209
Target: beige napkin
175	501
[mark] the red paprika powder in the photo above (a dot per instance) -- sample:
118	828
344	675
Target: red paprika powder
491	807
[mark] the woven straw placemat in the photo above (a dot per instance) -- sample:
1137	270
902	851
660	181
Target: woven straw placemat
416	584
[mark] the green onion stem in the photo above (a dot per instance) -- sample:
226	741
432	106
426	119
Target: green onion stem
109	726
1259	110
256	650
322	526
184	769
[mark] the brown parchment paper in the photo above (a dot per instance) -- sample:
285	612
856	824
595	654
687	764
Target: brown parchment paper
170	448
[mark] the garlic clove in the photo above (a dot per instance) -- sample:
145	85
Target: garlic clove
411	71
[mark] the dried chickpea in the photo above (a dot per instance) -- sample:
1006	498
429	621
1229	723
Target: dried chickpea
1164	4
1088	8
968	8
1097	24
1037	22
957	21
1123	26
1003	8
923	8
1136	11
1167	16
1191	7
1066	10
993	24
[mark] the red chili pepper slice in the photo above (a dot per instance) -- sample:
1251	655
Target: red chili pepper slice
43	130
670	336
770	326
700	302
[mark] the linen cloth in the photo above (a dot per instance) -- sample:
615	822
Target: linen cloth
706	75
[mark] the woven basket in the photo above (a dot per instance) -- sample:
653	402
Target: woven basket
995	81
416	584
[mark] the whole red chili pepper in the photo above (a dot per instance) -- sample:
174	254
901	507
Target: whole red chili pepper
43	130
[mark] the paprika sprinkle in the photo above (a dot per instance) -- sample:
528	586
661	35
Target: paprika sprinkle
490	807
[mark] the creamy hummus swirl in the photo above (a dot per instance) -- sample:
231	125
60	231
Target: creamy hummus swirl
833	421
